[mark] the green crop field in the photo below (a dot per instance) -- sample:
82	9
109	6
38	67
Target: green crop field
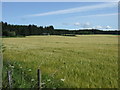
83	61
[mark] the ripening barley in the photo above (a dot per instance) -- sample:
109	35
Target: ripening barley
84	60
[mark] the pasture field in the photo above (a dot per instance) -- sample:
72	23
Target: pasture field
84	61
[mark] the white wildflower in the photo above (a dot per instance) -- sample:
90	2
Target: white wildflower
29	70
32	80
48	80
63	80
11	66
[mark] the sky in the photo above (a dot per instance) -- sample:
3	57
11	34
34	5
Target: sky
62	15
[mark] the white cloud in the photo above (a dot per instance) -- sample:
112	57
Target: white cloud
108	27
98	27
102	27
74	10
95	15
77	24
108	14
86	25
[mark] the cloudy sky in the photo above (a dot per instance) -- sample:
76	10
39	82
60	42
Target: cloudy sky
64	15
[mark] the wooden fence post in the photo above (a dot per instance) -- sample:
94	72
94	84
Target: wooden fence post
9	74
39	78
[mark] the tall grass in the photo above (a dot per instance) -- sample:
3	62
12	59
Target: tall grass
88	61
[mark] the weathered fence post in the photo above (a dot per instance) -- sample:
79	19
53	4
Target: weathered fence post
39	78
9	74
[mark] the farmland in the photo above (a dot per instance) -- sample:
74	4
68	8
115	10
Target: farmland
83	61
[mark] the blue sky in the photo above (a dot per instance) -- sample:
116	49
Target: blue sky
64	15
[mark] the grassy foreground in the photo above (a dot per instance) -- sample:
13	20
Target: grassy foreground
87	61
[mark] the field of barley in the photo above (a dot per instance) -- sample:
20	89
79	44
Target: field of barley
83	61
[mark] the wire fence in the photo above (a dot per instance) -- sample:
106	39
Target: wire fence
9	80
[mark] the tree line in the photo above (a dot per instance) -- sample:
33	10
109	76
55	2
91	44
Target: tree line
27	30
